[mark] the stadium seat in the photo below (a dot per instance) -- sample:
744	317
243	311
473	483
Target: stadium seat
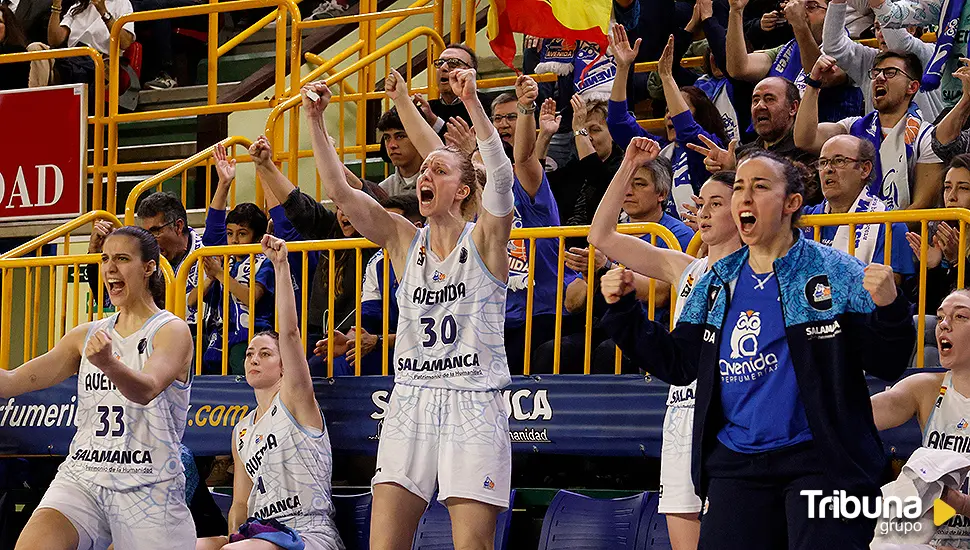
574	521
353	520
652	532
931	355
434	529
223	501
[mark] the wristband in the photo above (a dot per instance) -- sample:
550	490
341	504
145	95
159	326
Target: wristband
526	110
817	84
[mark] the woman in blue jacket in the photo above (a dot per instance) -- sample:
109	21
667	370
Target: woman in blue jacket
779	336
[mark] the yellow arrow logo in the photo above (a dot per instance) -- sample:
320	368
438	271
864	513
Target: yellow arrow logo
942	512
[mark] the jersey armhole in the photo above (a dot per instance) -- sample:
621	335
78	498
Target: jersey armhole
150	339
309	431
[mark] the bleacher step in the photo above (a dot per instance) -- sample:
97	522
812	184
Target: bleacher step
183	96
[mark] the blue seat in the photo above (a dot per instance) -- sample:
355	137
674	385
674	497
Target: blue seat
574	521
353	520
652	532
434	529
224	502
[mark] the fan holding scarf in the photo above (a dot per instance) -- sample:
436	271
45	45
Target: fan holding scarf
908	174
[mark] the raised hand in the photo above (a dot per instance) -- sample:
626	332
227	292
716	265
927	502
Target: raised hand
616	283
99	232
579	112
641	151
526	90
225	167
772	20
461	135
795	12
949	241
826	65
706	9
423	107
316	97
623	54
463	83
261	151
690	216
213	267
738	5
665	66
274	249
531	42
395	86
963	74
548	119
880	284
934	254
98	349
715	158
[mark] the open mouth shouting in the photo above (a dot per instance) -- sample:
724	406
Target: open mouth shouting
426	195
879	91
746	222
115	286
944	344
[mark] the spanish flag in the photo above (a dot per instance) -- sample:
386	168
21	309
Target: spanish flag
587	20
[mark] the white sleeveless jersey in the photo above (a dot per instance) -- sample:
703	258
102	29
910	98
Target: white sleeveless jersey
451	329
949	428
120	444
683	396
290	466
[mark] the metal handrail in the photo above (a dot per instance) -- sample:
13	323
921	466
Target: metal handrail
62	231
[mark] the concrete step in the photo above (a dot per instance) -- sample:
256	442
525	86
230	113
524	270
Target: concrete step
182	96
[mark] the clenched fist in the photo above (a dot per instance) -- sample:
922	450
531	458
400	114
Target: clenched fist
617	283
880	284
98	349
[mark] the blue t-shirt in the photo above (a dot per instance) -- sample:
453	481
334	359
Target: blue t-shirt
681	232
540	211
759	393
901	255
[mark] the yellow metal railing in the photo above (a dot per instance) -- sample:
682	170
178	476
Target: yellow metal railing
63	282
61	232
202	158
330	247
97	121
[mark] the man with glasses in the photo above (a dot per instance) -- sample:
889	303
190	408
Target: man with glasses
438	111
846	167
807	19
908	174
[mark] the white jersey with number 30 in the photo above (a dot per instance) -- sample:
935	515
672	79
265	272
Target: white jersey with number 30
120	444
451	329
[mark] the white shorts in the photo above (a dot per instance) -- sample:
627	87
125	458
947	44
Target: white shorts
320	541
146	518
458	438
676	487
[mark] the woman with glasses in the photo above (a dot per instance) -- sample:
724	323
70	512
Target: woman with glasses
907	173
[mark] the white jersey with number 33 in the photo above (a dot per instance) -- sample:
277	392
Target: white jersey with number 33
120	444
451	329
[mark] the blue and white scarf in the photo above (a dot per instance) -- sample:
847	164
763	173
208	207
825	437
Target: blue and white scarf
788	65
866	235
721	92
593	73
895	154
949	23
681	189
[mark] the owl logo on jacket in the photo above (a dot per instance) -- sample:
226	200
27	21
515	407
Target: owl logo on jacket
744	337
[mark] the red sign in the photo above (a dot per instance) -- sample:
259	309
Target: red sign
44	153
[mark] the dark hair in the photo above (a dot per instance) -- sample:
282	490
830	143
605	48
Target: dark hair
502	99
726	177
466	49
80	6
795	174
13	31
597	106
705	113
249	215
912	64
407	203
390	120
271	333
165	203
148	251
960	161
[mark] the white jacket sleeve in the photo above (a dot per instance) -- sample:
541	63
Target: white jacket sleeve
852	57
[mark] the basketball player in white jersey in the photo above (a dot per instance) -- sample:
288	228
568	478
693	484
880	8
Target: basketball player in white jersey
940	401
123	480
446	423
281	450
678	500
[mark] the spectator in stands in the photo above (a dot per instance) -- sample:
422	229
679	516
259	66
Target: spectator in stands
313	220
33	17
690	114
898	14
12	75
807	18
401	153
943	254
761	435
157	38
949	137
372	302
244	224
86	23
438	111
504	115
908	173
856	59
846	168
651	21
